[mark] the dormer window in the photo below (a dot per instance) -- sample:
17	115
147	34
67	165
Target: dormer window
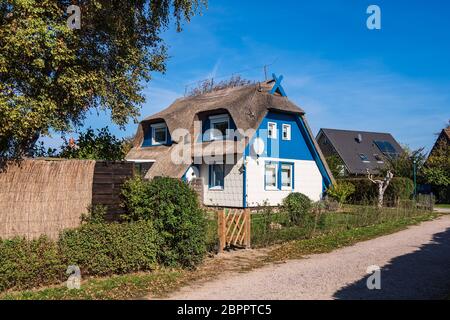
159	133
220	124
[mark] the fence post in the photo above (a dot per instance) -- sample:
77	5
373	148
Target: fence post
221	229
248	227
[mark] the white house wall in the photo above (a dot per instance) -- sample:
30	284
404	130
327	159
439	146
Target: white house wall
231	195
307	180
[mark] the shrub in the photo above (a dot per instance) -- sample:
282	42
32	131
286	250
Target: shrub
174	209
366	191
97	248
102	248
298	207
29	263
340	191
399	189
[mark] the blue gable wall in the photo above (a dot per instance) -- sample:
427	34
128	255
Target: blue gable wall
296	148
299	147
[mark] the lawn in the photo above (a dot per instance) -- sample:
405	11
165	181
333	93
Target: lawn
444	206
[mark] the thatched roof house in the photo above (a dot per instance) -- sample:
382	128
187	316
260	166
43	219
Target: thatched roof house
242	108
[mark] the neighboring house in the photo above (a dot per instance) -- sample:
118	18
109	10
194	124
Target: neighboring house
358	150
273	155
442	140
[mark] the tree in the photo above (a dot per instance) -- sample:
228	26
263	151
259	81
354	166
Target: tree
403	164
100	146
382	185
51	76
437	167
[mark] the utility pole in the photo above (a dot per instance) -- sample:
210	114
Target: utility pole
415	180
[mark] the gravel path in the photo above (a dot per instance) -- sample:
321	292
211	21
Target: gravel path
415	264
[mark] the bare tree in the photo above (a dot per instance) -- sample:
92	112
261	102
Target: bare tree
382	185
209	85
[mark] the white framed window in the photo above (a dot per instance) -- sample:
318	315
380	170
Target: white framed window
286	134
287	176
272	130
216	176
159	133
219	126
271	176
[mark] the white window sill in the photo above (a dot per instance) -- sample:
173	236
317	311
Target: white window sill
272	189
216	188
286	188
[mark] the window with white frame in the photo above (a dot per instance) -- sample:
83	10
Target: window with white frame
286	176
220	124
286	131
272	130
271	175
216	176
159	133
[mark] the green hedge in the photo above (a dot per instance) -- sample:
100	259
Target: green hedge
29	263
366	191
174	209
102	249
98	249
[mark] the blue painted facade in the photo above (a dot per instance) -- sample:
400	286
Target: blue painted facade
296	148
300	146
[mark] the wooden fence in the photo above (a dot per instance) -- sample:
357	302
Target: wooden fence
234	228
107	184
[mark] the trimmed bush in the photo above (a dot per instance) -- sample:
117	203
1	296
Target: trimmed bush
29	263
174	209
298	207
103	249
97	248
399	189
366	191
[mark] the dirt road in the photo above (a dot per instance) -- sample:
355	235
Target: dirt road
415	264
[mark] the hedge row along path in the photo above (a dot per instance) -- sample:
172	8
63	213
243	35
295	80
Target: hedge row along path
415	264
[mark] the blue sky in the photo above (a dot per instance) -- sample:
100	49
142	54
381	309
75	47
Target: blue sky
343	75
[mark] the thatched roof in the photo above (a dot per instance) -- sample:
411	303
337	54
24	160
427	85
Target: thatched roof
247	105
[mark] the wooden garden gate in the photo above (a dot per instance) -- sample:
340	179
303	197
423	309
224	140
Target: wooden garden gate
234	228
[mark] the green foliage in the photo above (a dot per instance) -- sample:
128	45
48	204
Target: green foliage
399	189
335	164
29	263
366	191
298	206
174	209
103	249
101	146
51	76
97	248
96	214
403	165
341	191
437	167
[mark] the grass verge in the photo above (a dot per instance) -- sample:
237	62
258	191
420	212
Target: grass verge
329	242
161	282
